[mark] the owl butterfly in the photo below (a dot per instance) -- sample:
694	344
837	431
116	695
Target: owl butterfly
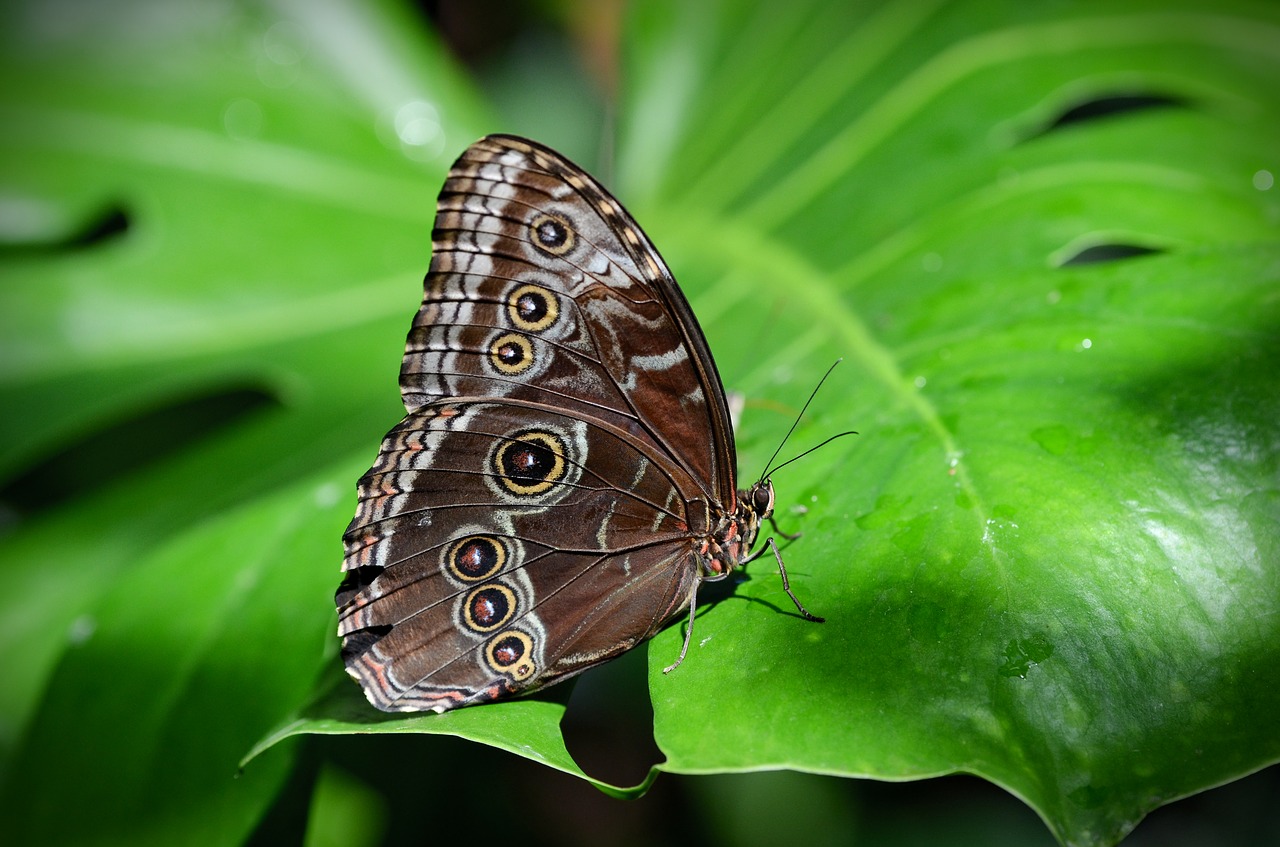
564	479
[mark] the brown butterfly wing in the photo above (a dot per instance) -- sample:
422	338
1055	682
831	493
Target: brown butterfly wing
567	449
499	546
543	287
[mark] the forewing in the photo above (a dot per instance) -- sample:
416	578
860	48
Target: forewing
542	287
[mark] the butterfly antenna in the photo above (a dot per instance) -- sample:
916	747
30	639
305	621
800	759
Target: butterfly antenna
811	449
796	423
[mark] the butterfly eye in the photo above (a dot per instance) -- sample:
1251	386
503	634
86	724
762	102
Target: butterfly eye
476	557
511	353
488	607
532	309
509	653
552	233
762	501
529	463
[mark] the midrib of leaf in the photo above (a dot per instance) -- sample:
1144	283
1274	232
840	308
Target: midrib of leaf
882	119
757	256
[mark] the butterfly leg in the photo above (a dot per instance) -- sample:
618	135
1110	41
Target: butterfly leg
688	632
786	584
787	535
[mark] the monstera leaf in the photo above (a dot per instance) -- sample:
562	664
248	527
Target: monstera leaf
1044	239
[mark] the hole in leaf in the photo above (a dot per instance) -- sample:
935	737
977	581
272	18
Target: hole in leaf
115	450
112	222
1114	104
1106	106
1096	254
33	226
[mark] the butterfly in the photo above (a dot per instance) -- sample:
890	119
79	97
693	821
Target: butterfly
565	477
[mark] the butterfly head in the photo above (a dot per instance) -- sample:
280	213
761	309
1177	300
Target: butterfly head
755	506
760	500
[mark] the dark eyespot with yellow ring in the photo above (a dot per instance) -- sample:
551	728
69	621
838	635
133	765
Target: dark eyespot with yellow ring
511	353
552	233
488	607
529	462
475	557
533	308
511	652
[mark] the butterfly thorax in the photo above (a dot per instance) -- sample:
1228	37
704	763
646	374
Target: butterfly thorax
735	534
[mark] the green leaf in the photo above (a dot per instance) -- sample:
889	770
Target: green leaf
206	221
1051	557
345	812
1044	238
181	664
529	726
